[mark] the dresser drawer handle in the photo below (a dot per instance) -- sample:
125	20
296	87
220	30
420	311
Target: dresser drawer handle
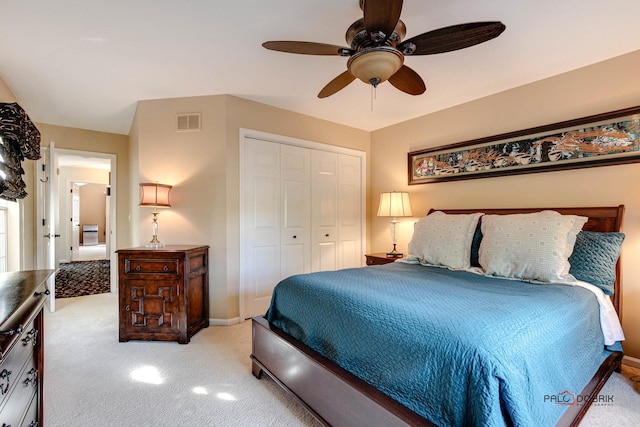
165	268
13	331
38	294
5	375
33	378
31	337
138	267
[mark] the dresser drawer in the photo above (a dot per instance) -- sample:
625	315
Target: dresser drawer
10	369
31	418
151	266
23	390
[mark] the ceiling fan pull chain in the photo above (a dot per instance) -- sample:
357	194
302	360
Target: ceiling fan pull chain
373	88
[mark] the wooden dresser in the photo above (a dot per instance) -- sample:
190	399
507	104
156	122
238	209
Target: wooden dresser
22	295
164	293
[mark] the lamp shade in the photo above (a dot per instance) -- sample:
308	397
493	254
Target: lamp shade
394	204
155	195
375	63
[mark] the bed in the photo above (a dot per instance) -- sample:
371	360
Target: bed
463	386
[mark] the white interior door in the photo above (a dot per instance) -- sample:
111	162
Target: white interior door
261	223
290	191
324	211
46	238
349	212
295	189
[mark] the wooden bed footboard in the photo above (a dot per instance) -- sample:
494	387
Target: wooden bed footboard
333	395
338	398
574	413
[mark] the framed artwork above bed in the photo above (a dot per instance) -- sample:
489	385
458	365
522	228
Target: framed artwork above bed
599	140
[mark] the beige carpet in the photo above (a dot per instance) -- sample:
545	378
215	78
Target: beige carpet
91	379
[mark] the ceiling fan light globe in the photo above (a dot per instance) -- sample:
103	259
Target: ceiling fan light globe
376	63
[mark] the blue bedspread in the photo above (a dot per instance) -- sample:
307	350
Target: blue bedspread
455	347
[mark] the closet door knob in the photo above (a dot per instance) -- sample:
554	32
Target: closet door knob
294	236
326	235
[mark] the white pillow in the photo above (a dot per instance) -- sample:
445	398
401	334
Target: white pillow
444	239
532	246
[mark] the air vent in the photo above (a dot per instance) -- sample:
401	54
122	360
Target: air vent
188	122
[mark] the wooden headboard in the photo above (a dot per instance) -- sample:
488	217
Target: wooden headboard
602	219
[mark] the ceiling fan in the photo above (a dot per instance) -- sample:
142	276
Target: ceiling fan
376	53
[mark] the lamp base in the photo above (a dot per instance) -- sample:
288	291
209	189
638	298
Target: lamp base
394	253
154	245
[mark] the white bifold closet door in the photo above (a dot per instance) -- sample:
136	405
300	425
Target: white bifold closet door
275	218
301	212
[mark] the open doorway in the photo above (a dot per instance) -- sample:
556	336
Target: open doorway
88	208
75	171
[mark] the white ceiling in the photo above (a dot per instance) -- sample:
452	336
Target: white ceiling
85	64
84	162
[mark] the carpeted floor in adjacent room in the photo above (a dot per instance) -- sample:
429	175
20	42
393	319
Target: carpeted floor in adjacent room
91	379
79	278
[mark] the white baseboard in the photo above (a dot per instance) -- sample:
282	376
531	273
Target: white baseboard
224	322
631	361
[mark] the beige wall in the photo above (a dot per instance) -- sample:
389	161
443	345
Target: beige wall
203	167
93	205
602	87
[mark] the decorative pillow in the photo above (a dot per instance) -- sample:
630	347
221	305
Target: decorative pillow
594	258
444	239
532	246
475	246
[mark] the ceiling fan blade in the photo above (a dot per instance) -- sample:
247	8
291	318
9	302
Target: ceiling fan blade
452	38
307	48
382	15
337	84
408	81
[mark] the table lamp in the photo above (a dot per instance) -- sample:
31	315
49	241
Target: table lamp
394	204
154	195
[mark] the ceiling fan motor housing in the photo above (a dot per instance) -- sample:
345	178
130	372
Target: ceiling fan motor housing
357	36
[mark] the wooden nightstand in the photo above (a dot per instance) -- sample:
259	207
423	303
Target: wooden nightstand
380	258
164	293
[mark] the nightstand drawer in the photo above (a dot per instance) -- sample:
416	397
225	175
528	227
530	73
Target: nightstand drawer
151	266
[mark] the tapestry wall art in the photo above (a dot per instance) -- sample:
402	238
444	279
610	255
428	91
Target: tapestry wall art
600	140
